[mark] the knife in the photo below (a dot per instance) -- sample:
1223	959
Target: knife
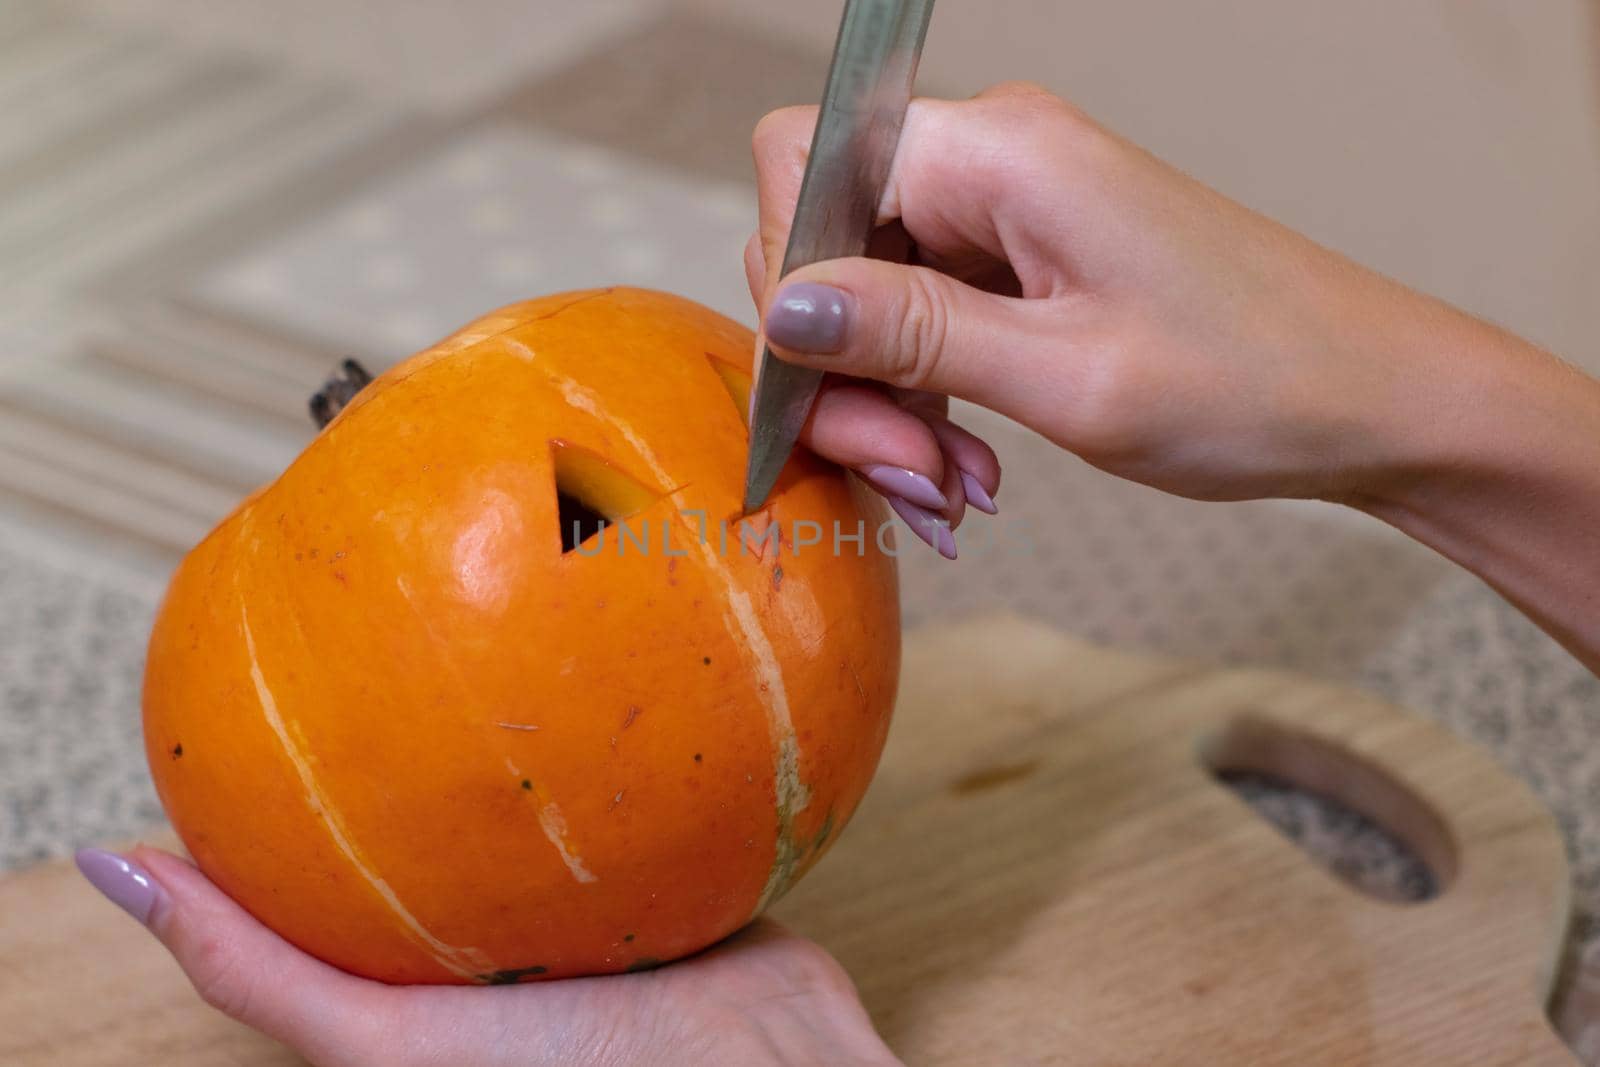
863	108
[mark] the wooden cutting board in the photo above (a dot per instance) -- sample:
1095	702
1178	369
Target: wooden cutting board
1046	871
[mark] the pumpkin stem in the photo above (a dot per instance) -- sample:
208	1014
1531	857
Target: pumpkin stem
337	391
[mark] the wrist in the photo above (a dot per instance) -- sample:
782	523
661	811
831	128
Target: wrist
1466	414
1499	471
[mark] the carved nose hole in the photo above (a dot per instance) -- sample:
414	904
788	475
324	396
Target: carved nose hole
592	494
1346	815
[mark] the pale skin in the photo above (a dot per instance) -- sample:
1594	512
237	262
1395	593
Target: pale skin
1073	282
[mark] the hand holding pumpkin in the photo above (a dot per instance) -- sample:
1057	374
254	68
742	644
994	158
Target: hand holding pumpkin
764	996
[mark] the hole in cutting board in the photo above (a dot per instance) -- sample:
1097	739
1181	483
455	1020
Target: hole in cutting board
1349	845
1350	818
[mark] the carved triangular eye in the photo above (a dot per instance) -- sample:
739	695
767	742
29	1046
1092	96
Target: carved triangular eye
592	493
737	382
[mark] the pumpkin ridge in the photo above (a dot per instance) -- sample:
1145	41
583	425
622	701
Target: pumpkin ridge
465	962
447	956
790	794
554	825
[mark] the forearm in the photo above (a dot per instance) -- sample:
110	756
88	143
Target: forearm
1497	466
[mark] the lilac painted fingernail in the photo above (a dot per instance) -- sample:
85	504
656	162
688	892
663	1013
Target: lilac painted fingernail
808	317
977	495
124	883
907	483
932	528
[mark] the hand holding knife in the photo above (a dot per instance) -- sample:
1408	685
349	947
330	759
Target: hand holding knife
858	128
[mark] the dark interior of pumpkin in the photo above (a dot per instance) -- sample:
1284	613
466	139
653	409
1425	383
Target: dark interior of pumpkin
579	521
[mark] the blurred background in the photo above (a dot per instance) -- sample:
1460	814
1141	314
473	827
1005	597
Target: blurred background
204	204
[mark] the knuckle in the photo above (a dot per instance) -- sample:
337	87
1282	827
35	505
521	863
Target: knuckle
1025	104
814	969
778	131
922	330
1030	110
1020	92
1023	130
214	969
1109	393
810	972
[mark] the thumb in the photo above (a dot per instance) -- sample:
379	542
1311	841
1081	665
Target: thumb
906	326
239	966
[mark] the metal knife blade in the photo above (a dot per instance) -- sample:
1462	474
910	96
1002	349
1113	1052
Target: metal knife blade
863	108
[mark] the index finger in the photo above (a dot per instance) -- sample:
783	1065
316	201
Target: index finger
954	165
781	145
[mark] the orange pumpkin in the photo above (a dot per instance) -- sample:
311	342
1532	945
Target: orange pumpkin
390	715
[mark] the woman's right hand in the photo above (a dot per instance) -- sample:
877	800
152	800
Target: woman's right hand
1057	274
1067	279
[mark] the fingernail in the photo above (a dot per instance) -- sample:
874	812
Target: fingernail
124	883
807	317
907	483
977	495
933	529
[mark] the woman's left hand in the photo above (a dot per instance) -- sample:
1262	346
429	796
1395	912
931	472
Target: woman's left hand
764	996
